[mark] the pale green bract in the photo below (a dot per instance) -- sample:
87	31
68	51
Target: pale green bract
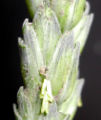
50	52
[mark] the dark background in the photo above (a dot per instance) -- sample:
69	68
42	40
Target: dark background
13	14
